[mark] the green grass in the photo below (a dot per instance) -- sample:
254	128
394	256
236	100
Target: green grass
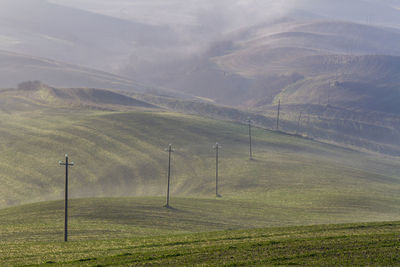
108	218
120	159
328	245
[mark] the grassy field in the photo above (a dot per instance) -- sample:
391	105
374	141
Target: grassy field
140	232
119	152
328	245
120	160
108	218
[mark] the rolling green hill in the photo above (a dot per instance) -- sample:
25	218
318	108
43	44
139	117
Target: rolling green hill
118	183
362	130
119	151
41	94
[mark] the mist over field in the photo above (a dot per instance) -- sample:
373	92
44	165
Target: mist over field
333	65
196	25
128	37
203	132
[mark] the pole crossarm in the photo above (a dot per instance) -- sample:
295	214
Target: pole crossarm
217	146
66	163
170	149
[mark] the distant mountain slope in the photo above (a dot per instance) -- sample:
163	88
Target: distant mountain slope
343	77
311	49
43	29
369	83
254	67
273	48
16	68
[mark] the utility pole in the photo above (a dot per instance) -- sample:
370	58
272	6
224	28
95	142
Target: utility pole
331	85
216	147
329	96
298	122
66	164
169	150
277	117
251	152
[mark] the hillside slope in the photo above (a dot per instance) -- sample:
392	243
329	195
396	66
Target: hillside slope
41	95
317	55
119	151
341	76
16	68
42	29
361	130
252	66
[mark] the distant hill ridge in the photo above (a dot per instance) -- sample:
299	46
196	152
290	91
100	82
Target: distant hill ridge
42	93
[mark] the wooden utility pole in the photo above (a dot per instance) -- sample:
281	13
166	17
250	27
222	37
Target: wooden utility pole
216	147
277	117
250	144
330	87
169	150
66	164
298	122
